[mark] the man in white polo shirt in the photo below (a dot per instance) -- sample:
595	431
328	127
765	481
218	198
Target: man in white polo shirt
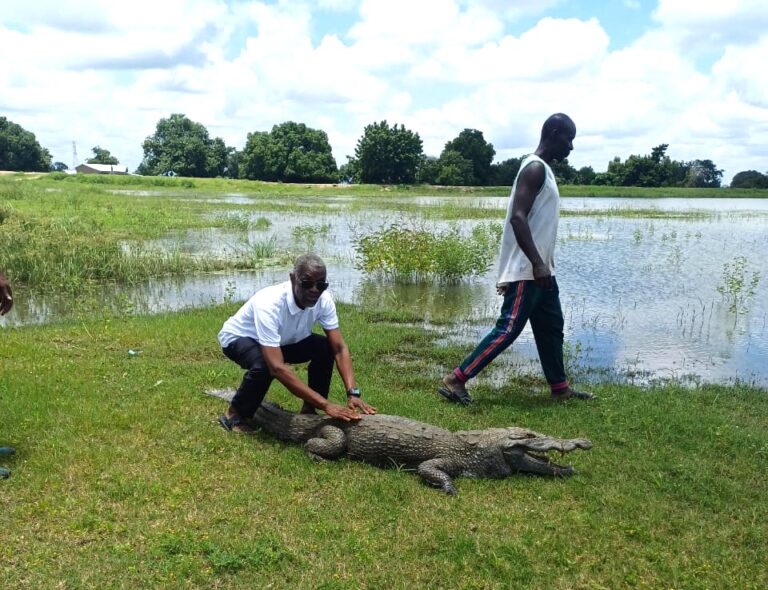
273	330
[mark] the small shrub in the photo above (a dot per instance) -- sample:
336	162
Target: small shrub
736	286
411	255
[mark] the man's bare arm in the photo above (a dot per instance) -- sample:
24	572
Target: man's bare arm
528	186
285	374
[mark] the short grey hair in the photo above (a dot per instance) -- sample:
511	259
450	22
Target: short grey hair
307	262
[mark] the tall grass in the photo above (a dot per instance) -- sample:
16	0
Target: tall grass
411	255
66	256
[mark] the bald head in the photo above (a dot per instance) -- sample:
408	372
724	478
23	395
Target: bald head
557	135
557	123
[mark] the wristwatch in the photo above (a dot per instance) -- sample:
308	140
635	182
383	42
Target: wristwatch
353	392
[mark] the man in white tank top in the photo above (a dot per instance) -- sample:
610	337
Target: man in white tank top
526	275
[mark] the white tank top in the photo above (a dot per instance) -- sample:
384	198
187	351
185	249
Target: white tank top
545	212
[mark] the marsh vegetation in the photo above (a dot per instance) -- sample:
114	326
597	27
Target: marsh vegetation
124	479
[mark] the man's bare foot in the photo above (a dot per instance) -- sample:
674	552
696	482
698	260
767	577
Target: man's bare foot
569	393
454	390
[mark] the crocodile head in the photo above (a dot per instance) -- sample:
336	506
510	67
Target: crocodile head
526	451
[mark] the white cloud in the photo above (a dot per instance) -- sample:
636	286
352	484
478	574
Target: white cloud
515	9
104	74
551	49
701	25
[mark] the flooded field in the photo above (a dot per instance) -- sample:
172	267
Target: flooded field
652	289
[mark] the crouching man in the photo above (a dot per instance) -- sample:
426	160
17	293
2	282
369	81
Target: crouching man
273	330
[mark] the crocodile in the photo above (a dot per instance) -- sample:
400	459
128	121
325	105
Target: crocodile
436	454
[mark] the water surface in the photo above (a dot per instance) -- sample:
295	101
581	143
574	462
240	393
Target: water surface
640	295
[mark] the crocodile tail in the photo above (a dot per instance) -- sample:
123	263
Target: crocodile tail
285	425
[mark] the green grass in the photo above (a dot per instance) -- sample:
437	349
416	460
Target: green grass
258	187
64	233
123	479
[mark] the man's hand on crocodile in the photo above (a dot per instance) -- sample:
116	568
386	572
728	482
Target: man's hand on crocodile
340	412
355	403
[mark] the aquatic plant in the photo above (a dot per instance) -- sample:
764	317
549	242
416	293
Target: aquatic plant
262	223
307	234
263	249
736	286
411	255
236	220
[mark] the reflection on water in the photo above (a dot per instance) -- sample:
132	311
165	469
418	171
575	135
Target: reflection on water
640	296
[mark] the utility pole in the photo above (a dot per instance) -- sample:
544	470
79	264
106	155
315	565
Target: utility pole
74	155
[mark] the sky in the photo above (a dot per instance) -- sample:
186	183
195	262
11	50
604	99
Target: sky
632	74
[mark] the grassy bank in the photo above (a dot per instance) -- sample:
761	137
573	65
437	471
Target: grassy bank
63	233
273	188
124	479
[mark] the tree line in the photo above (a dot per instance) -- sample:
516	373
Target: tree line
384	154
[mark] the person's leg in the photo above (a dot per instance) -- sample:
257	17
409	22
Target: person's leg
547	325
246	352
315	350
519	301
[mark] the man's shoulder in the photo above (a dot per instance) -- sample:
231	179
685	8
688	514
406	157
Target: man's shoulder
533	171
534	163
273	295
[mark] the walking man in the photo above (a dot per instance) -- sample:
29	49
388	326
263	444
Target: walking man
526	276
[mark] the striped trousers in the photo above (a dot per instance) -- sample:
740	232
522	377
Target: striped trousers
524	301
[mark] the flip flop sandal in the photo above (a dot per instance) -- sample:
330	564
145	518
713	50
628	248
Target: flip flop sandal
5	473
458	398
230	423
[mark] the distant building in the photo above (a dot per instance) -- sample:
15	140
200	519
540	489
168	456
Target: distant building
102	169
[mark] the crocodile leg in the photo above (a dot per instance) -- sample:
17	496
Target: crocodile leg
438	472
331	443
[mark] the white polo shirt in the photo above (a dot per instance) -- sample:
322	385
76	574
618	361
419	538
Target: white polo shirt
272	318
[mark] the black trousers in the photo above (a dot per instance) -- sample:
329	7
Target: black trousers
246	352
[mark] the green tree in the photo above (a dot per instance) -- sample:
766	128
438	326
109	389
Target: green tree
291	152
749	179
20	151
102	156
453	169
349	171
471	145
59	167
585	175
181	146
253	158
504	173
703	173
656	169
218	158
233	163
428	169
387	154
563	171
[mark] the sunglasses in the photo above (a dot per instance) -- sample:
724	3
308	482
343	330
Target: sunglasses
307	285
